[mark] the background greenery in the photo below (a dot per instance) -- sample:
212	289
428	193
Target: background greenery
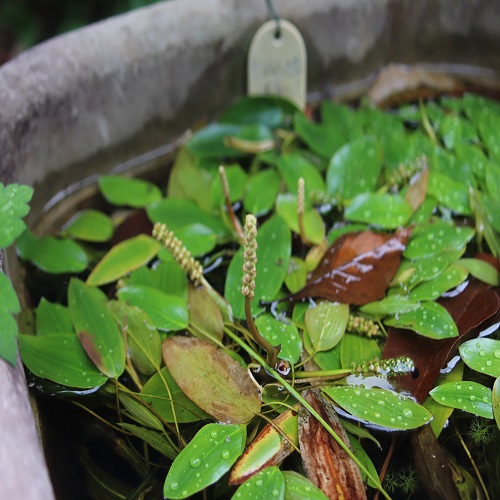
24	23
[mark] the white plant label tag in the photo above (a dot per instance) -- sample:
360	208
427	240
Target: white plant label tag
277	62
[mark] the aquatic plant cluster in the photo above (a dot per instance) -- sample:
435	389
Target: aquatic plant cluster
296	270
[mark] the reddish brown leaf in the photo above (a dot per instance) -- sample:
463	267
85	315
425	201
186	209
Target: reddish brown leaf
326	464
88	343
357	268
470	310
417	189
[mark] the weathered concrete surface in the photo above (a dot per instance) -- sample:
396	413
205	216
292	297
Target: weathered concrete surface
151	73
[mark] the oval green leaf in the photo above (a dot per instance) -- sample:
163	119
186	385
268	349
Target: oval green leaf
430	320
268	483
354	169
380	407
481	270
212	379
123	258
168	312
96	328
205	316
163	393
124	191
207	457
467	396
326	324
298	487
280	333
90	225
261	191
354	349
61	358
296	274
482	355
294	166
384	210
52	255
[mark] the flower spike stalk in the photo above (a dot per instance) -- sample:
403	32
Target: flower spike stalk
248	287
300	210
225	190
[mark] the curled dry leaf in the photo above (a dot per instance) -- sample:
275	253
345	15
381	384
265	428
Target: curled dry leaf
357	268
326	464
212	379
269	448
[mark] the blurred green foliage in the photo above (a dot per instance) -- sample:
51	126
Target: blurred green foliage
24	23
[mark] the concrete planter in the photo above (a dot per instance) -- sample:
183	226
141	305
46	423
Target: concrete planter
117	89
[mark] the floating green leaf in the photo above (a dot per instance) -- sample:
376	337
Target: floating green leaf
61	358
354	349
437	237
450	278
355	168
281	333
482	355
90	225
273	256
481	270
430	320
298	487
52	318
467	396
451	193
14	200
212	379
96	328
119	190
322	139
393	304
143	339
123	258
207	457
294	166
261	191
380	406
268	483
205	316
56	256
296	274
168	312
326	324
314	228
385	210
163	393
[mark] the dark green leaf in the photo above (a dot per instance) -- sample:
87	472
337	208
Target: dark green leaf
52	318
136	193
168	312
96	328
61	358
14	200
293	166
56	256
268	483
322	139
156	440
298	487
261	191
90	225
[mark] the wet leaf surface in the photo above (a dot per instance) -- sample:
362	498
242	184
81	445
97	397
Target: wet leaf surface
298	487
269	483
96	328
280	333
326	324
326	464
212	379
206	458
482	355
52	318
357	268
355	349
269	448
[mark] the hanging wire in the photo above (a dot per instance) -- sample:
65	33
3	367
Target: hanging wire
275	17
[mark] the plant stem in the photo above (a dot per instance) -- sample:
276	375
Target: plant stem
225	190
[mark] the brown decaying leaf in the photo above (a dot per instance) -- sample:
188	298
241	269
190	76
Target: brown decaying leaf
212	379
326	464
357	268
417	188
433	466
469	309
88	343
204	313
